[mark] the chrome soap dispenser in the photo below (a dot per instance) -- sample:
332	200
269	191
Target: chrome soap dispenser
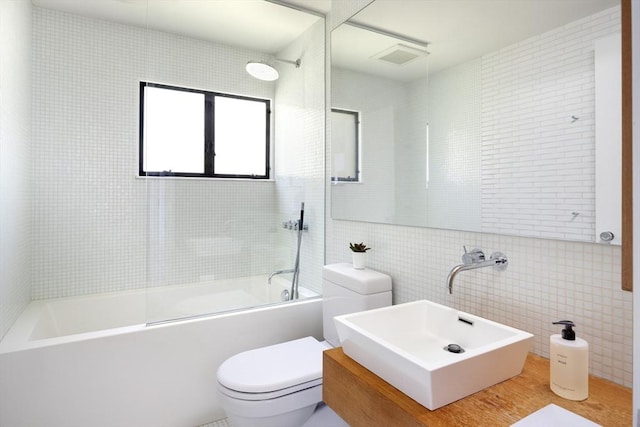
569	357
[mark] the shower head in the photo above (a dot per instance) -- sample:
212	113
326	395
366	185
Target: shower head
263	71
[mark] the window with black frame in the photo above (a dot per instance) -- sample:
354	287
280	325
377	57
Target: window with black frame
196	133
345	145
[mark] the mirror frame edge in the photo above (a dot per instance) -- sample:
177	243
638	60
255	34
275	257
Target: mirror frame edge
627	152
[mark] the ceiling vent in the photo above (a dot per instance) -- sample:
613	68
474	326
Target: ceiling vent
400	54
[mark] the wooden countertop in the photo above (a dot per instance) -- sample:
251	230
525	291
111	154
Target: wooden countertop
362	398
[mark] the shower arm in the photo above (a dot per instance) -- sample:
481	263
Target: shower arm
297	62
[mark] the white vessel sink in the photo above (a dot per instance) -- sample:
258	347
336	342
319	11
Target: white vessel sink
405	345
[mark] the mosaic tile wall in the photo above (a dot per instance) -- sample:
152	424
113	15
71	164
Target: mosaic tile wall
98	227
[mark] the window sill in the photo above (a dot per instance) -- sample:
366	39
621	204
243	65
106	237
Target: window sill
198	178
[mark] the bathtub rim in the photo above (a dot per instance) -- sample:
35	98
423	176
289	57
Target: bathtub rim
17	338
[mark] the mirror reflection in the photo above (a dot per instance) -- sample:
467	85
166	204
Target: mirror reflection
500	117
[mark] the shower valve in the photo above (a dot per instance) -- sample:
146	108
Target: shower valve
293	225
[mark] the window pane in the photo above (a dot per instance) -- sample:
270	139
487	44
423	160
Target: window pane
344	145
240	136
173	131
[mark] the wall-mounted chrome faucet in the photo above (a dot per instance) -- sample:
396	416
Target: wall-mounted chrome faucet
476	259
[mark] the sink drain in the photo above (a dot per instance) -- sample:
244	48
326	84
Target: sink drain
454	348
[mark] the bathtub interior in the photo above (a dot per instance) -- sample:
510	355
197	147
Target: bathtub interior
216	296
60	320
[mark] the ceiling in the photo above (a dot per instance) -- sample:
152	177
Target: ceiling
456	30
252	24
319	6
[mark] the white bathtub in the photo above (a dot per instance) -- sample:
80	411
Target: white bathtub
92	360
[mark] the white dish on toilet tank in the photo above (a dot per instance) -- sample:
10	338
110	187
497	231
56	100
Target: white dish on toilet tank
407	346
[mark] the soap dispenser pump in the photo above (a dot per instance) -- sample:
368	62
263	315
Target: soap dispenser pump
569	363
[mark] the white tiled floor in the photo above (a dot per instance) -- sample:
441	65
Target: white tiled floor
220	423
323	417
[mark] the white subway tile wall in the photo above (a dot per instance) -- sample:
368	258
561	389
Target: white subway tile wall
525	136
15	155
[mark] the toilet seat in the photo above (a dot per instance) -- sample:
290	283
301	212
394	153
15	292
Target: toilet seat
273	371
268	395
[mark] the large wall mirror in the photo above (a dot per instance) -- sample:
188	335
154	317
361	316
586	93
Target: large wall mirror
481	115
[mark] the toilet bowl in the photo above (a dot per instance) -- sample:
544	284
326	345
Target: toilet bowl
281	385
277	386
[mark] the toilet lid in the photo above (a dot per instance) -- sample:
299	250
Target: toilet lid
274	367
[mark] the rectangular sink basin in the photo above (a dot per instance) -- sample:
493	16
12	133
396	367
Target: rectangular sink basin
408	345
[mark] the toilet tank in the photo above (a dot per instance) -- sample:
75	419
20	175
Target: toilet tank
348	290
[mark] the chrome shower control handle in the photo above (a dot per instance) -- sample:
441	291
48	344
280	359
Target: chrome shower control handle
476	255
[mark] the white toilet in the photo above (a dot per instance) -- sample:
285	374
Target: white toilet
281	385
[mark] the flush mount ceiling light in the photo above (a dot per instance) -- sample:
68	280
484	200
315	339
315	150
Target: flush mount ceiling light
263	71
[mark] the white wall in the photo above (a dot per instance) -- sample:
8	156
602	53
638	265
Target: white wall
394	116
455	154
379	102
15	155
410	156
526	137
608	127
546	279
